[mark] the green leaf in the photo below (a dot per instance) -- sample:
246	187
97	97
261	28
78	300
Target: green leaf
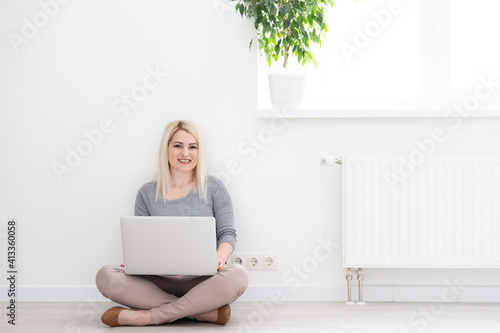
273	10
286	24
267	27
320	18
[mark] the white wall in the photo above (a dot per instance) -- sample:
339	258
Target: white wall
65	78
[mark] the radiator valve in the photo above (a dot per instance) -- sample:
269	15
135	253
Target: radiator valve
330	160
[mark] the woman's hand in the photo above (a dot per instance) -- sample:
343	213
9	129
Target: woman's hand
223	252
220	264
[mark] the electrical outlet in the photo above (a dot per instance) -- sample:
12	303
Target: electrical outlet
254	262
270	262
239	259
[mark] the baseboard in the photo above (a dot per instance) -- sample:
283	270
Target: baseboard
256	293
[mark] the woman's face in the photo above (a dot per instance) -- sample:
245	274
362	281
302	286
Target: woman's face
183	152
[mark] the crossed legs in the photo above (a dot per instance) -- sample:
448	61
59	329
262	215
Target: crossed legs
169	298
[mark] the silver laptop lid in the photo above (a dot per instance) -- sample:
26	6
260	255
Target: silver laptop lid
169	245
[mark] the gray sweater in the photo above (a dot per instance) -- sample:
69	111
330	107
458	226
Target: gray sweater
218	204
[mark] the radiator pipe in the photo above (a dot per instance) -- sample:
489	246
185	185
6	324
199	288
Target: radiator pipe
360	286
349	279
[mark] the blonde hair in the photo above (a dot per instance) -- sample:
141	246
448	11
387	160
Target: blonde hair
162	179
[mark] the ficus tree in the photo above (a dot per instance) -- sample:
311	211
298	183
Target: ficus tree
286	27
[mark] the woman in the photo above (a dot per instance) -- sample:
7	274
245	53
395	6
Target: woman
181	188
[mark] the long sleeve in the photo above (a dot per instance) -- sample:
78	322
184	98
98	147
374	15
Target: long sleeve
223	212
141	208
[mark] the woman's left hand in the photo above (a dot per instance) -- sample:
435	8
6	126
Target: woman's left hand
220	264
223	252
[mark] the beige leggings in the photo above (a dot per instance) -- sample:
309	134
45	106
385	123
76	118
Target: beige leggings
172	297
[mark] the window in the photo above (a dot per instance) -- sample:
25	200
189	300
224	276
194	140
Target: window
400	58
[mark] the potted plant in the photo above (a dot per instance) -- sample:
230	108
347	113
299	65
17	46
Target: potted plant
286	28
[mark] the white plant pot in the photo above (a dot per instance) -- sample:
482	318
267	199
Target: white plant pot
286	87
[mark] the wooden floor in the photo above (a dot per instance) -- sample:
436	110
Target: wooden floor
267	317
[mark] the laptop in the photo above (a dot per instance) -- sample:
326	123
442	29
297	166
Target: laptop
169	245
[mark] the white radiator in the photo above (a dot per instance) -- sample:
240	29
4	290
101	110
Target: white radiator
443	213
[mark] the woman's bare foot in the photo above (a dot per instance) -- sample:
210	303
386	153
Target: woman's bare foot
135	318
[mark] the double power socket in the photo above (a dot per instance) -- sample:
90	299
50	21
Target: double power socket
256	262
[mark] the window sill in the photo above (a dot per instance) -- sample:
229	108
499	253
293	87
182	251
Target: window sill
377	113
